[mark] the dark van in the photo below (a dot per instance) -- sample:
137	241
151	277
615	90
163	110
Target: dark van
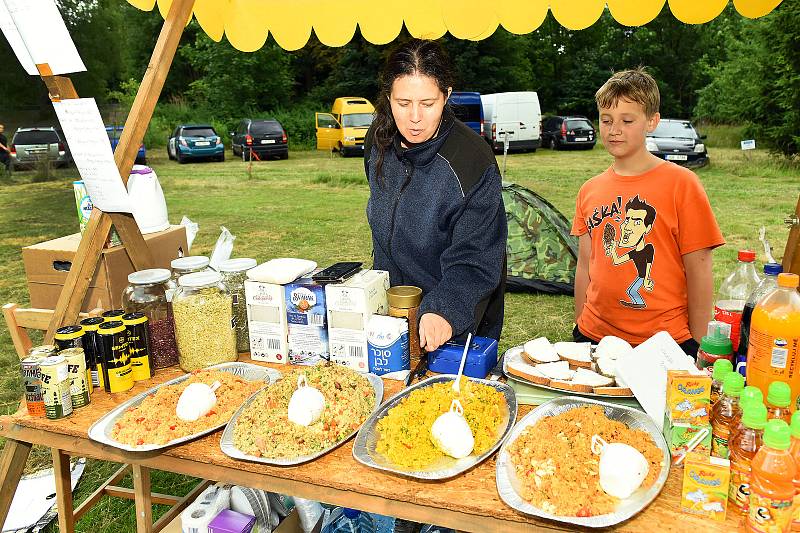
468	109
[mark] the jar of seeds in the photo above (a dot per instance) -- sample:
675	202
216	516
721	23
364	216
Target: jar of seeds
234	273
185	265
204	326
147	293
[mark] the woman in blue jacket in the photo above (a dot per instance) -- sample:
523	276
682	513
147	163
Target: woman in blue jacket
435	207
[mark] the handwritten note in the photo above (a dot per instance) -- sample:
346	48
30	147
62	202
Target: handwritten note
9	29
44	35
88	141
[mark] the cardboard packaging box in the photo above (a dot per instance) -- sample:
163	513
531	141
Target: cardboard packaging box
47	265
266	320
678	436
350	306
688	398
705	486
306	319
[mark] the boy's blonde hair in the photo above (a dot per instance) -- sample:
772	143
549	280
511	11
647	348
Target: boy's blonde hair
635	85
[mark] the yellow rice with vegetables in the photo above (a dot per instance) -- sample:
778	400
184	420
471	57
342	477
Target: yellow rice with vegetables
406	428
154	420
264	429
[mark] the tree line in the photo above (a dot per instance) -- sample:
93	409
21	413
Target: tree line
730	70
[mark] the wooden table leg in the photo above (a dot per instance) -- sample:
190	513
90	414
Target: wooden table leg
12	463
66	520
144	504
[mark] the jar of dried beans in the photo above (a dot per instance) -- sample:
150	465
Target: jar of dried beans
234	273
147	293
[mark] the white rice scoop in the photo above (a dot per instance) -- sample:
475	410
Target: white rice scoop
450	431
196	401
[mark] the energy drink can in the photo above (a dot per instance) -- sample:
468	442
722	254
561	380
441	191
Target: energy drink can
90	348
114	314
55	387
115	357
69	337
138	345
80	385
32	377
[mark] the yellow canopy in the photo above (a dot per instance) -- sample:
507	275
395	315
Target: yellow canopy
246	23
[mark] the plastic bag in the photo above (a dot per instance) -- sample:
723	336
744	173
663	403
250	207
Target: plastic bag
310	512
191	231
223	249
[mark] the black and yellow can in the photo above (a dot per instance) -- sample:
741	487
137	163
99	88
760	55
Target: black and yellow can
115	357
138	345
94	366
69	337
114	314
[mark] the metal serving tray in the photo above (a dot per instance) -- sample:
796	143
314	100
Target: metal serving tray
100	431
228	448
516	352
507	482
365	445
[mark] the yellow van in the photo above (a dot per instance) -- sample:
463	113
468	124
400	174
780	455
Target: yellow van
343	129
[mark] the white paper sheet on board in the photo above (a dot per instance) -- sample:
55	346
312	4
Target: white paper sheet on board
9	29
88	141
44	34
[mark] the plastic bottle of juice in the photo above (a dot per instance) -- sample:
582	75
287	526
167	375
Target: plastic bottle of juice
767	285
774	350
771	482
722	367
734	292
779	397
750	395
724	412
794	449
743	448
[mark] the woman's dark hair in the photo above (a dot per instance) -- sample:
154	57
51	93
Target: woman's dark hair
416	56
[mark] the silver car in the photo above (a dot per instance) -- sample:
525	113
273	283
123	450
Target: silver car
29	146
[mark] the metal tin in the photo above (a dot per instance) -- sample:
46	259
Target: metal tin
633	418
114	356
365	445
402	298
80	384
101	430
69	337
32	379
138	345
229	448
55	387
90	348
114	314
45	350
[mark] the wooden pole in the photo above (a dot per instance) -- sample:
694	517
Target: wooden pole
791	256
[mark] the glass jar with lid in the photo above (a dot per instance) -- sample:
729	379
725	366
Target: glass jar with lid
234	273
185	265
147	293
204	328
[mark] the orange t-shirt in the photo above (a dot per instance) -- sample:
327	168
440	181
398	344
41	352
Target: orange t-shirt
640	226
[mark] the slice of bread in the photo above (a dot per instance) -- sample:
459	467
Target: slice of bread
540	351
592	379
613	391
570	386
559	370
528	372
612	347
607	366
577	353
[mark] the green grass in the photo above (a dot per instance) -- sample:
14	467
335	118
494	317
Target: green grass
313	206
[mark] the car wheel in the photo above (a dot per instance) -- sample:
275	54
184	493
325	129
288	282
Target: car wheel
179	157
285	155
557	144
245	155
169	154
221	157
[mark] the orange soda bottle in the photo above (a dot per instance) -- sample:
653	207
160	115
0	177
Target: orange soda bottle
771	482
743	447
773	351
794	449
722	367
725	410
749	395
779	397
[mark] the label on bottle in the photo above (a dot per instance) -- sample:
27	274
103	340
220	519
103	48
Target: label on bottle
719	441
734	318
739	488
796	513
768	515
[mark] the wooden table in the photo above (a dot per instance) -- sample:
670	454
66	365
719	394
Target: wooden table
469	502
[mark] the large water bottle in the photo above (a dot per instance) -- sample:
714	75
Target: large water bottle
344	520
735	291
767	285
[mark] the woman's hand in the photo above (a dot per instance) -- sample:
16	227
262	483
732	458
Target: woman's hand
433	331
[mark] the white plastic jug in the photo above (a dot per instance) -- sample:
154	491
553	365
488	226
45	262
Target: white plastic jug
147	198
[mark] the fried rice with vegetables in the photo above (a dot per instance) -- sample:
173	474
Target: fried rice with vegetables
405	430
154	420
558	472
264	430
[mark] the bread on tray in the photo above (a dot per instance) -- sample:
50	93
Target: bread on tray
613	391
578	354
540	351
527	371
570	386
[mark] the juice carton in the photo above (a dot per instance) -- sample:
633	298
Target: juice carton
266	320
688	398
705	486
678	436
306	320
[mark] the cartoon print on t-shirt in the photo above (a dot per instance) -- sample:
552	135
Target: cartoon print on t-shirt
639	219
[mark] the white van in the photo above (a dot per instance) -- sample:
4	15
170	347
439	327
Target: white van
515	116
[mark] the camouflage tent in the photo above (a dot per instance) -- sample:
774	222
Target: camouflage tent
542	255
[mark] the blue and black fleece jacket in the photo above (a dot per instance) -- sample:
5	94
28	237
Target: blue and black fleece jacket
438	222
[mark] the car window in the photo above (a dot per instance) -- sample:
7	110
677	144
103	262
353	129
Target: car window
675	130
265	127
468	112
579	123
357	120
199	132
35	137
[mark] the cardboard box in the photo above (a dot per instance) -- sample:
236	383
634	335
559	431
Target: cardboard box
350	305
705	486
306	319
688	398
678	436
47	265
266	321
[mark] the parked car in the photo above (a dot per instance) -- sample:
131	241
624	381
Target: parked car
467	108
560	132
195	141
31	145
677	141
259	138
114	133
343	129
514	116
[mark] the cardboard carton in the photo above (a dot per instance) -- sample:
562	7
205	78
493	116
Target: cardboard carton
266	320
705	486
306	319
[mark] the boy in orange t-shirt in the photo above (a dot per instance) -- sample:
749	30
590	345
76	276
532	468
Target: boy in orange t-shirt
645	229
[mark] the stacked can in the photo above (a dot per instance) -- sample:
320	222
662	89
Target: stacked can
114	314
138	345
55	387
80	384
69	337
94	365
115	357
32	378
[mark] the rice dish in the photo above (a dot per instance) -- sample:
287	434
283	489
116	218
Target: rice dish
154	420
556	469
264	430
406	428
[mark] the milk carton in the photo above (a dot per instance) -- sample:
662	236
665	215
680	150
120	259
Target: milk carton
266	320
306	322
350	306
388	347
